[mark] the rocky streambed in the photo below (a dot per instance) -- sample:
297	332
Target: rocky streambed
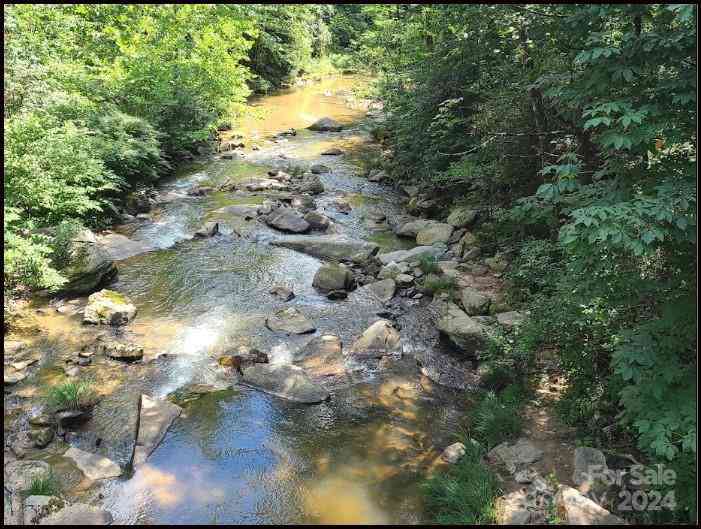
260	339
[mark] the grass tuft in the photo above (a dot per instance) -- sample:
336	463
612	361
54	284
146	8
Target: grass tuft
71	396
46	485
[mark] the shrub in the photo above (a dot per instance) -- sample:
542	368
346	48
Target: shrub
435	284
495	418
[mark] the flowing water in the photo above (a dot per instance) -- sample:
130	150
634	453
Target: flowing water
242	456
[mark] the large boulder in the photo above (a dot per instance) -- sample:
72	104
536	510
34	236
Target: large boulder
155	417
289	320
19	474
89	265
474	302
286	219
333	276
379	339
576	509
317	221
108	307
465	332
435	233
93	466
465	244
330	248
411	228
588	463
392	270
286	381
412	254
326	125
462	217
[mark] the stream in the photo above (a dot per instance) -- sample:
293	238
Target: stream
242	456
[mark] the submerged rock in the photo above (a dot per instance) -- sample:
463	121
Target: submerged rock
155	417
379	339
330	248
289	320
94	466
326	125
284	293
286	381
108	307
333	151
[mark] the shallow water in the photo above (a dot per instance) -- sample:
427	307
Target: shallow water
242	456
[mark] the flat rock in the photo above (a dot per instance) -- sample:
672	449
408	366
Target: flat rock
330	248
412	228
412	254
381	290
246	211
108	307
94	466
78	514
289	320
333	151
288	220
120	350
515	455
155	417
286	381
118	246
435	233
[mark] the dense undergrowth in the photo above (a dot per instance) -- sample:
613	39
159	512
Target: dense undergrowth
572	129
